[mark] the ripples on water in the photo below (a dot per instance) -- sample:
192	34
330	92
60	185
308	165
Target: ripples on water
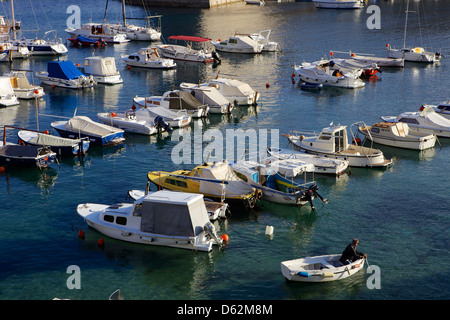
400	215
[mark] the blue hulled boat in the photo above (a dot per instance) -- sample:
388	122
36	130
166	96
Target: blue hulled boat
66	75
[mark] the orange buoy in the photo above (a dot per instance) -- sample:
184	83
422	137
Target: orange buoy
387	45
101	242
225	237
293	75
331	53
133	107
267	85
113	114
2	169
46	132
81	234
128	67
36	91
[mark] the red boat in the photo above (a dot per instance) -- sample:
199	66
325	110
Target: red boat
81	41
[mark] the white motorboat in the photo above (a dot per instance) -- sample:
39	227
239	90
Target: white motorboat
321	164
98	31
326	73
272	180
397	135
369	68
13	51
380	61
175	119
149	32
442	109
81	126
175	100
66	75
216	210
339	4
324	268
161	218
238	43
102	69
257	2
187	52
210	96
22	87
414	54
262	37
427	121
128	122
7	95
332	142
148	58
234	90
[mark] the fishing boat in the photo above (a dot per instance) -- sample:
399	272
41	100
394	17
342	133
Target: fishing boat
175	100
238	43
332	142
128	122
276	187
22	87
148	58
321	164
139	33
7	95
323	268
43	46
325	72
234	90
65	74
81	41
15	155
81	126
262	37
339	4
98	31
175	119
209	96
426	121
161	218
442	109
102	69
216	181
369	68
61	146
187	52
216	210
414	54
397	135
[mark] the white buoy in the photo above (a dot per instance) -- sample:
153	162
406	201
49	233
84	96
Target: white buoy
269	232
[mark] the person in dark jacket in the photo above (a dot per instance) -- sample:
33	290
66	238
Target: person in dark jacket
350	254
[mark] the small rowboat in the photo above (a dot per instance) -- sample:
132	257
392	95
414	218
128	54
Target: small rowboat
324	268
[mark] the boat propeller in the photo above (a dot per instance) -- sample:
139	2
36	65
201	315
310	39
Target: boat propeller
311	193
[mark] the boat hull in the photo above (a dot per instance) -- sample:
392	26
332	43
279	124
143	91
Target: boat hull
107	140
28	156
184	54
307	269
126	124
66	83
330	4
427	57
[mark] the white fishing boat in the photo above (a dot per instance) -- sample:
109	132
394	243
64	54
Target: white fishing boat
427	121
332	142
22	87
397	135
238	43
98	31
175	100
7	95
216	210
128	122
442	109
139	33
81	127
161	218
102	69
39	47
414	54
209	96
175	119
66	75
262	37
326	73
234	90
324	268
321	164
271	180
148	58
339	4
188	52
380	61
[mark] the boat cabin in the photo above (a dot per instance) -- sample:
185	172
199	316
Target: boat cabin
399	129
331	139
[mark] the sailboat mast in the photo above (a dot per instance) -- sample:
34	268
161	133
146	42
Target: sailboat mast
406	24
123	13
13	20
106	9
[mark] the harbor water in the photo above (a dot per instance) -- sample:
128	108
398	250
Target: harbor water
400	214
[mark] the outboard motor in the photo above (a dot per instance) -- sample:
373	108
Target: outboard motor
216	57
161	124
211	231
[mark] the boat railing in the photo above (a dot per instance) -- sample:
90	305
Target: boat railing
355	139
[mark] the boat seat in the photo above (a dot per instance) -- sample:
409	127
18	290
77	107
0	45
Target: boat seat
327	264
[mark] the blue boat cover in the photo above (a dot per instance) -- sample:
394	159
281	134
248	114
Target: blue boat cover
84	39
63	70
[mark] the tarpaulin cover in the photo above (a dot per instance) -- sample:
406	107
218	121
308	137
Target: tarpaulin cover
63	70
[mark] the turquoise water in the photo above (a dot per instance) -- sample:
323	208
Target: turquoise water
400	214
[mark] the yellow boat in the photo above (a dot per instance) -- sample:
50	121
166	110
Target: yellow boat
214	180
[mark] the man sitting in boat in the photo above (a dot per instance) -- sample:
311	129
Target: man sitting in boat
350	254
